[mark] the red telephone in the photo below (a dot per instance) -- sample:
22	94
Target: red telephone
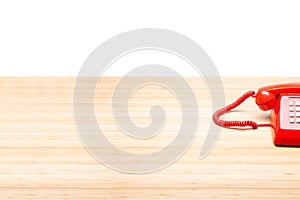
284	99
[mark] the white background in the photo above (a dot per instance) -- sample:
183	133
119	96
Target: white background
243	38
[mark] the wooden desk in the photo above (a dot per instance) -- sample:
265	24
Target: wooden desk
41	155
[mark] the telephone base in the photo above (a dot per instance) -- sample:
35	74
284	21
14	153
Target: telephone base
285	121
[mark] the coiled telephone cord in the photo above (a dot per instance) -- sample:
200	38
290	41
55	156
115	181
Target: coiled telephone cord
224	123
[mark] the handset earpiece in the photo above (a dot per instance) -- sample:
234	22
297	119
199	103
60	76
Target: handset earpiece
265	100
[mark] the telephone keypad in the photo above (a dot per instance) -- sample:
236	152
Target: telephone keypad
294	110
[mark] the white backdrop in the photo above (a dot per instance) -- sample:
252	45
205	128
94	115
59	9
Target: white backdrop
243	38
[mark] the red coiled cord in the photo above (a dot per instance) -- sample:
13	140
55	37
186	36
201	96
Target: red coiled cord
226	109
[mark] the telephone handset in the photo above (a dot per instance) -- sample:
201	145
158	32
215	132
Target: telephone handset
284	99
267	96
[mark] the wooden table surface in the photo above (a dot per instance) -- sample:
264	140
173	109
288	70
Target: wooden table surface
41	155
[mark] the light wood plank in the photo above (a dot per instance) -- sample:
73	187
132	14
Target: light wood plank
41	156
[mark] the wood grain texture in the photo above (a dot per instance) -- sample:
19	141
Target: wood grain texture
41	156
